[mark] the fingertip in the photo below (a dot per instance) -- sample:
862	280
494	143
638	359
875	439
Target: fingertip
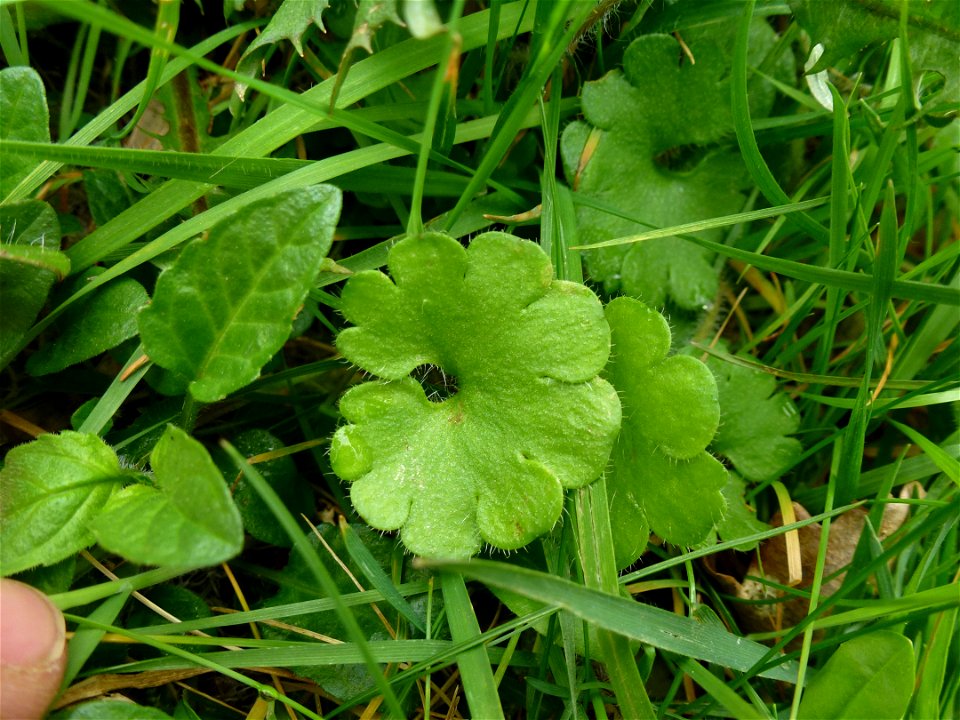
32	651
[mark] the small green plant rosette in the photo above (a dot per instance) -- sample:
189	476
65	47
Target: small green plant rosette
662	478
529	418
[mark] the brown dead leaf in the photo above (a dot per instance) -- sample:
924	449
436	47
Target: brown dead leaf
765	609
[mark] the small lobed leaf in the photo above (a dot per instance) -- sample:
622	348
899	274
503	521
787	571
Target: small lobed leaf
529	416
23	107
670	414
870	676
187	520
227	304
636	121
96	323
50	490
739	520
755	420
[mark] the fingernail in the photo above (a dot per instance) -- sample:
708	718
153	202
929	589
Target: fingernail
32	627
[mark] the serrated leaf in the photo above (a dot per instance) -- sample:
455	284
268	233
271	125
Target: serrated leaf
50	489
31	222
187	520
754	421
845	27
227	304
670	414
529	417
93	325
636	120
27	272
739	520
870	676
291	20
23	107
280	473
370	17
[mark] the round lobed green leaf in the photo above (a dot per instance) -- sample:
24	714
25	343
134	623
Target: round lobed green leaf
649	146
662	479
528	417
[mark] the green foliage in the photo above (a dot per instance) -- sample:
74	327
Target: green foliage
30	222
845	27
290	21
96	323
456	389
27	272
529	416
188	519
621	157
870	676
109	710
739	520
280	473
23	107
51	490
755	420
670	414
243	285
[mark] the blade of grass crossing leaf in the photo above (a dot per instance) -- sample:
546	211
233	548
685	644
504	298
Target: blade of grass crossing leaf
948	465
374	573
754	161
478	683
840	181
721	692
634	620
843	279
319	570
86	640
121	387
777	211
194	659
595	548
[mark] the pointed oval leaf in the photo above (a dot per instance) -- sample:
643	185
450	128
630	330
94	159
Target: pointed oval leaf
51	489
27	272
227	304
187	520
870	676
23	107
91	326
529	416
